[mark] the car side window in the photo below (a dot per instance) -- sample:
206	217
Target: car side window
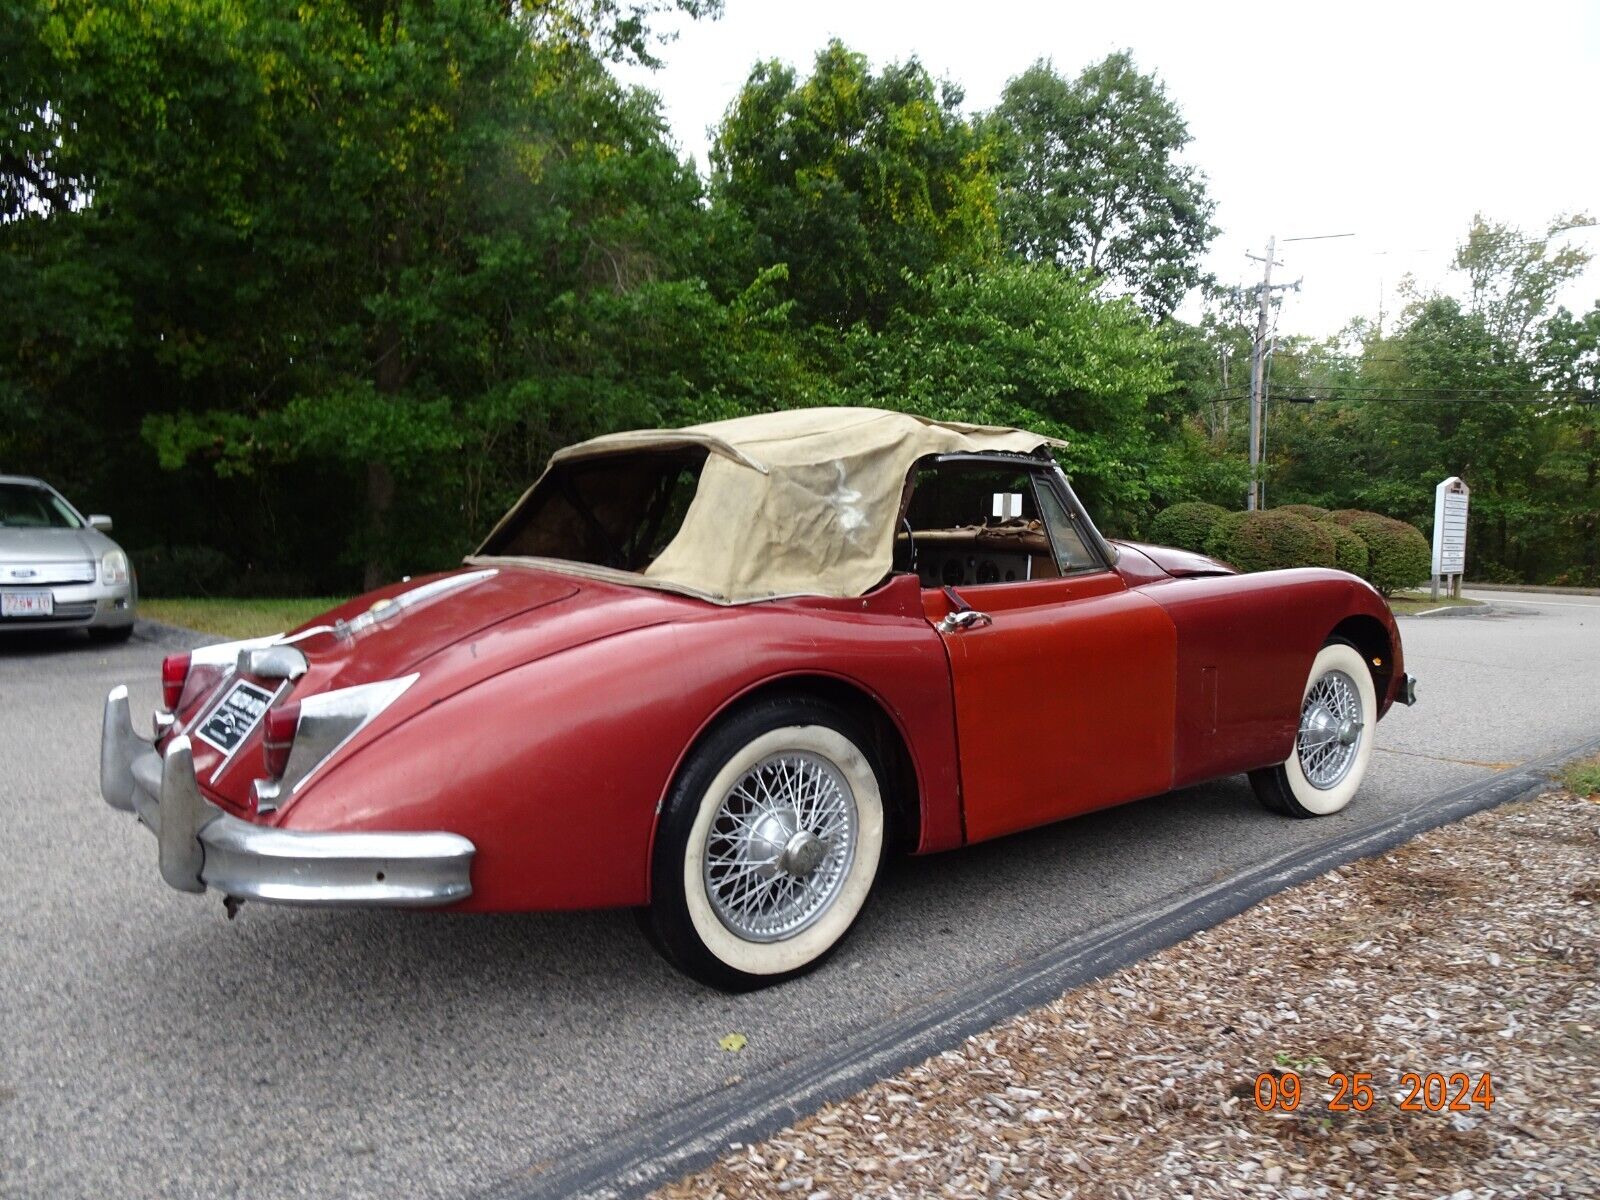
1072	550
975	522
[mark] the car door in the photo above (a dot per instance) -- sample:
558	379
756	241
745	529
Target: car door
1064	678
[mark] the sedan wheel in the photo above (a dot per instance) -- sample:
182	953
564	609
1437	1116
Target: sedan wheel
769	846
1333	745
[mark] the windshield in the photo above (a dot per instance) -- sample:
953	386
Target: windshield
29	506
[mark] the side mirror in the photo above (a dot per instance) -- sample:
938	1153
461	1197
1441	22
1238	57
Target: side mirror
100	521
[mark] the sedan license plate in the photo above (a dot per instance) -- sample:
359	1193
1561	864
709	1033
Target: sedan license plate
27	604
231	721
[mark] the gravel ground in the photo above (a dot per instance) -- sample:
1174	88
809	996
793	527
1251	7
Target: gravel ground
1472	949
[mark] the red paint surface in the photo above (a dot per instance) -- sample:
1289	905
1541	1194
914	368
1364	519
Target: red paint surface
551	713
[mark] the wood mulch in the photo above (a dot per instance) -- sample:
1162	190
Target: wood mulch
1471	950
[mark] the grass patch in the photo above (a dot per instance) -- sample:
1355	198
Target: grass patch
1583	776
1411	603
230	618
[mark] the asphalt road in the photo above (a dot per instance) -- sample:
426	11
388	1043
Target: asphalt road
148	1047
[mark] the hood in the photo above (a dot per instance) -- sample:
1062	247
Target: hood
51	545
1181	564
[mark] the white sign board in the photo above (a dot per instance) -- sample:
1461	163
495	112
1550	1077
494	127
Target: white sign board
1450	527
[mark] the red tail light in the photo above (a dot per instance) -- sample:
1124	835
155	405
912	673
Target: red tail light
282	722
174	674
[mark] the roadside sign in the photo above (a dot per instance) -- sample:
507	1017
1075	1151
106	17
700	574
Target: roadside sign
1450	501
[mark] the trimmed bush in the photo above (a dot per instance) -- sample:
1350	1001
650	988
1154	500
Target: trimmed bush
1185	525
1309	511
1273	539
1349	551
182	570
1222	533
1398	556
1346	516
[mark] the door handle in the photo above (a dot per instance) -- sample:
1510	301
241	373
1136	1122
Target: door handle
965	618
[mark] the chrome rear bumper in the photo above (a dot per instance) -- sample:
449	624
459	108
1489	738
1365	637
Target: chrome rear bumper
203	847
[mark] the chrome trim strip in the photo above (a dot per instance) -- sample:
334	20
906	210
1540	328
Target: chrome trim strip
203	847
335	717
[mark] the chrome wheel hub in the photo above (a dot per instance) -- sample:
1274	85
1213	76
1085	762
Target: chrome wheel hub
780	846
1330	730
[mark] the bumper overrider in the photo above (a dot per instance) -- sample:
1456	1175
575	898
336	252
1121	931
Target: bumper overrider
203	847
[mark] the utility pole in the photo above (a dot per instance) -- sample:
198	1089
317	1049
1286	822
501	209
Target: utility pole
1258	373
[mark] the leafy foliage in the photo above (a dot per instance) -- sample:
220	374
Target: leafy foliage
1309	511
1220	538
1025	345
1349	551
306	295
1093	179
854	179
1186	525
1272	539
1398	556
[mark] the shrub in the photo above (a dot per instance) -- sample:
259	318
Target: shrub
1222	533
1349	551
1272	540
1398	556
182	570
1346	516
1185	525
1309	511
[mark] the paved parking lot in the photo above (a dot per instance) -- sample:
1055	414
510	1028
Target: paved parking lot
152	1048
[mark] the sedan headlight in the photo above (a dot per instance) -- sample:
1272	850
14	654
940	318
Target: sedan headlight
114	568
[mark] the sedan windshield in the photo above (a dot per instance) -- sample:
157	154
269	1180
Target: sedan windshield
28	506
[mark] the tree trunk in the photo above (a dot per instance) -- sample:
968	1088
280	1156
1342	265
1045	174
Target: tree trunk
380	497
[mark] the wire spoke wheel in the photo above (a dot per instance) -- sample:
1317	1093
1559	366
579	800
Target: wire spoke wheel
1331	729
780	846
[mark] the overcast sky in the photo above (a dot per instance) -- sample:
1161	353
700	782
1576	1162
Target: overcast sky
1395	122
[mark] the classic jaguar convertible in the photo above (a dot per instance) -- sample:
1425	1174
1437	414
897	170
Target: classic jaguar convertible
716	673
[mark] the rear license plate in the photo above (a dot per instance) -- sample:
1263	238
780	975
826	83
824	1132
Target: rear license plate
27	604
231	721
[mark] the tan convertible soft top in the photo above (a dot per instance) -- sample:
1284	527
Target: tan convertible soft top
800	502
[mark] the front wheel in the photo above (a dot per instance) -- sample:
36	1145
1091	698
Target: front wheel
1338	712
768	847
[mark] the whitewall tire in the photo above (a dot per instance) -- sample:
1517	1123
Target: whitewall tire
768	847
1333	744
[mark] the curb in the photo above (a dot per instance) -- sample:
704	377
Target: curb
1484	608
1533	588
660	1150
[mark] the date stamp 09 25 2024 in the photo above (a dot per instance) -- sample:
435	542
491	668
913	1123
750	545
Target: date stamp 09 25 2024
1281	1091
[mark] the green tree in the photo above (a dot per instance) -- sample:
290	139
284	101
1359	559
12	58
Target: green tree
854	179
1093	179
337	245
1513	278
1570	361
1019	344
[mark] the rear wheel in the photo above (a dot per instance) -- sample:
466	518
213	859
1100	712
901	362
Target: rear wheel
1333	745
768	847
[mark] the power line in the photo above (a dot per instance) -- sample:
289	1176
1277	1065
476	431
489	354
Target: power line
1299	394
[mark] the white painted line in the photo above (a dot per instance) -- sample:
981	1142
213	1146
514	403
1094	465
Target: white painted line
1428	612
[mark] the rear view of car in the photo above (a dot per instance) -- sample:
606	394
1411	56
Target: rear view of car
58	569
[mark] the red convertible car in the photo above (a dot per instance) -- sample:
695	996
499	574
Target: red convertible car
717	673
